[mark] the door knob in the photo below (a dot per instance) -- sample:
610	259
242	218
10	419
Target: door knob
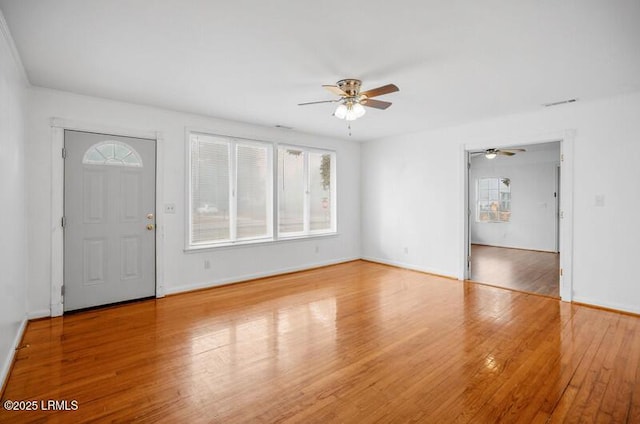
150	227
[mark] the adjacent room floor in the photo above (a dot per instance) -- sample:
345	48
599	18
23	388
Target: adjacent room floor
355	343
518	269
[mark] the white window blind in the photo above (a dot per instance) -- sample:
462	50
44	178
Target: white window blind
210	194
230	190
291	190
254	177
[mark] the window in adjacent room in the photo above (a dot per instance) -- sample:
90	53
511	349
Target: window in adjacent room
493	199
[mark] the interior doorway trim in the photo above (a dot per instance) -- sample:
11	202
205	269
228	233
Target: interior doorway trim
566	139
58	126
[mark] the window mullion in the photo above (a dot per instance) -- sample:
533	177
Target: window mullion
307	195
271	203
276	195
233	184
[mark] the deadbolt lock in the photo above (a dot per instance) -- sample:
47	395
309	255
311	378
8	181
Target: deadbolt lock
149	216
150	227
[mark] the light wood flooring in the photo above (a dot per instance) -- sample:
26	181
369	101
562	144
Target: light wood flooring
352	343
517	269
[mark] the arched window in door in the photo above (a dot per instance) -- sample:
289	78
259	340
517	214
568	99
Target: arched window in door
113	153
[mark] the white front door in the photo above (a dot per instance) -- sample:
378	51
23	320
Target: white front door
109	219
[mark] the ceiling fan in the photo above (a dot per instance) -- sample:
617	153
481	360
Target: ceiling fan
351	101
492	153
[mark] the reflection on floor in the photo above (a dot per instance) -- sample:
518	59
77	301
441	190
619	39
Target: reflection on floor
525	270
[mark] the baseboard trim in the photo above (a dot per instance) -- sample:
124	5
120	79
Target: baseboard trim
41	313
7	366
606	306
248	277
403	265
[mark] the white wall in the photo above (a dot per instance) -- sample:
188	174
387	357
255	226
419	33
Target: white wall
412	194
13	245
532	224
182	271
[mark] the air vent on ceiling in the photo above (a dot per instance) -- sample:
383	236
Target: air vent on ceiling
562	102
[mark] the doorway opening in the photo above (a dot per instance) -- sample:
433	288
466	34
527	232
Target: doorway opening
513	217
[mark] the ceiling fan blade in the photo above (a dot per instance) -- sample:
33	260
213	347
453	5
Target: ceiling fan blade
335	90
378	104
315	103
385	89
505	153
513	150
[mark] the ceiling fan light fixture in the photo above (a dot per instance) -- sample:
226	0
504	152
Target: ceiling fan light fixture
349	111
351	114
359	110
352	103
341	111
490	155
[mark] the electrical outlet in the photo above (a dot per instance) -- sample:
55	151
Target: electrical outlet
406	250
317	249
207	264
169	208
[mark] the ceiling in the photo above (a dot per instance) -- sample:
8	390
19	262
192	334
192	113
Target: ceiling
254	60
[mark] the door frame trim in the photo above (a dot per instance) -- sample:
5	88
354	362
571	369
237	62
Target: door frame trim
58	126
566	139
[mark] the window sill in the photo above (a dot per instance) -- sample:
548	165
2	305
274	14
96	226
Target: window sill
258	242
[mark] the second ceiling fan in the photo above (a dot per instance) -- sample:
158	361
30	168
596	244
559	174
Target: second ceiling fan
492	153
352	100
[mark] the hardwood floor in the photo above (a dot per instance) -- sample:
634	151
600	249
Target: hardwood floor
351	343
518	269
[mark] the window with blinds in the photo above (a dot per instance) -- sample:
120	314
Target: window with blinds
254	199
291	191
230	190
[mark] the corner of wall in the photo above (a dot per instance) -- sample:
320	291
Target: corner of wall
11	45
